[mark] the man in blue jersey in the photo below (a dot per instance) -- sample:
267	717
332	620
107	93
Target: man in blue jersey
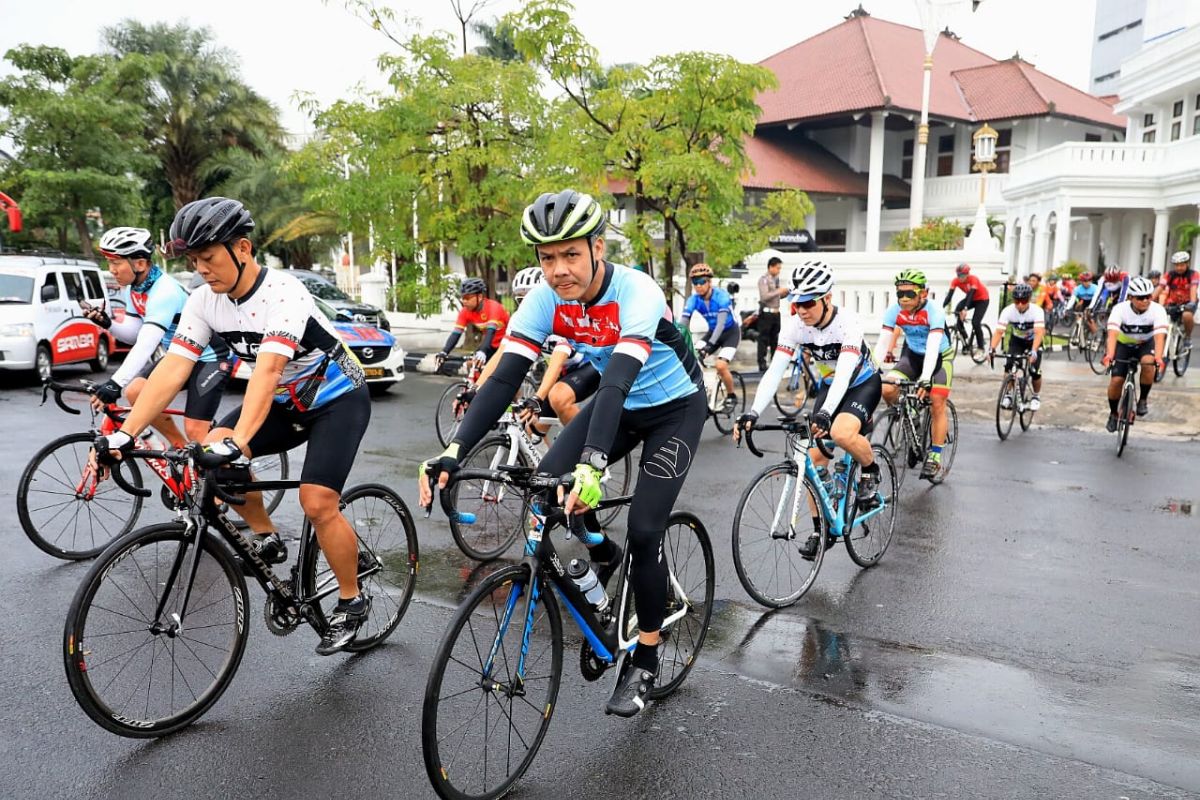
153	303
650	393
724	327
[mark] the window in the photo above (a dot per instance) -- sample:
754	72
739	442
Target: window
1003	149
1148	121
1196	125
95	289
1091	137
74	285
1177	109
1176	130
906	159
52	282
1176	120
1148	137
945	161
831	239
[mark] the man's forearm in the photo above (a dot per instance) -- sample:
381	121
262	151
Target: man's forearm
553	372
165	382
260	393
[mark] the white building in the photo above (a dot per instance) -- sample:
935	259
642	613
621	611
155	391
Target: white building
1119	32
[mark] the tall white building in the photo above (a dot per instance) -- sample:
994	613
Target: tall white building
1119	32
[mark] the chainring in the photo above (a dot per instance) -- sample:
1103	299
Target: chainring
590	665
279	621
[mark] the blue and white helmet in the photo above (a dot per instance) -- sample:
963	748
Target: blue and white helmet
524	281
811	280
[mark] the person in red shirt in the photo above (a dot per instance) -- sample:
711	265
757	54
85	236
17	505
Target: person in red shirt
975	298
1179	288
480	312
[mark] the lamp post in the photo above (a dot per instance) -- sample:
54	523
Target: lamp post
984	142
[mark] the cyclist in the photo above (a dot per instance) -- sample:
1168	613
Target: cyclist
975	299
153	303
306	387
724	328
1084	292
849	380
926	356
1179	288
1112	289
478	311
650	392
1137	328
1028	324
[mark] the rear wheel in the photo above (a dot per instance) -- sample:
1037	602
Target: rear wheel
100	362
866	542
950	447
488	515
979	353
1005	416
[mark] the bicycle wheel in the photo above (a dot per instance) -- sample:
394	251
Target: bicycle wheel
689	556
726	415
489	701
889	433
1005	416
618	481
790	394
489	515
866	542
955	340
65	510
950	447
1125	411
1095	350
1184	357
1159	374
1026	398
445	420
1072	342
139	676
767	538
979	354
387	552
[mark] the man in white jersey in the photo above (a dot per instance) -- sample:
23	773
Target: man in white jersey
1137	330
1028	323
850	387
306	387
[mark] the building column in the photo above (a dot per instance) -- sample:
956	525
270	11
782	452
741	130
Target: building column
1162	232
1135	229
1062	234
875	181
1091	261
1041	245
1025	266
1010	247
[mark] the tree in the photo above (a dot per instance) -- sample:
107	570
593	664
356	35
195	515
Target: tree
935	233
1186	233
195	104
497	41
673	131
75	124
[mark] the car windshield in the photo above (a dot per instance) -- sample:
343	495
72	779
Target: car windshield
325	291
329	311
16	289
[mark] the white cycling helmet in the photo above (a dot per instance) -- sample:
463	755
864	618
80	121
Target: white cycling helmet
1140	287
126	242
524	281
811	280
1181	256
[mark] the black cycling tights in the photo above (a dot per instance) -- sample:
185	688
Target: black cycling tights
669	435
978	308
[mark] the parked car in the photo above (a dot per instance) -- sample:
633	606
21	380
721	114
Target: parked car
321	287
41	321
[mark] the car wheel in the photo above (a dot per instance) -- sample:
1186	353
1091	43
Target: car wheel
100	362
42	363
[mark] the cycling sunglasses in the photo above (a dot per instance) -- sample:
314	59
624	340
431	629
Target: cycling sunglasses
1140	296
906	293
699	281
1024	301
805	304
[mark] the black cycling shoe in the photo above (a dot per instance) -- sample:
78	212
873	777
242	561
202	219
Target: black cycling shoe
1143	408
808	550
270	547
344	623
868	494
1111	425
632	692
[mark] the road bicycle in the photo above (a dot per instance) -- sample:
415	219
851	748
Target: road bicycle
457	398
1082	341
157	629
494	682
1016	392
1178	352
71	510
1127	404
905	431
723	414
1097	341
488	516
962	338
770	524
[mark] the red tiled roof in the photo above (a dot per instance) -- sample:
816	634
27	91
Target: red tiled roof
869	63
796	163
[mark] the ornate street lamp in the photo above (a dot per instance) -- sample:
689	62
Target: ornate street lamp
984	142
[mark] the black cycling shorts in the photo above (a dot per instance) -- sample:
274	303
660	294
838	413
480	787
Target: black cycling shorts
725	347
333	432
205	386
1128	351
1017	346
584	380
859	401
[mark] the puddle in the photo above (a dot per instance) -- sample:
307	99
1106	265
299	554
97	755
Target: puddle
1173	506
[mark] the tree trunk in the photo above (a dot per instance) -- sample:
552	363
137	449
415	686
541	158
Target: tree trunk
62	238
85	238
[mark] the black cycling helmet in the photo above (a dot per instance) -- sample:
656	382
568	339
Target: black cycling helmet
1022	291
472	286
213	220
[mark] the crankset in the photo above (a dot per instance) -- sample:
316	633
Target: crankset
279	619
590	664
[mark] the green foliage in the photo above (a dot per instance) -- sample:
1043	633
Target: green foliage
1070	269
1186	234
74	121
936	233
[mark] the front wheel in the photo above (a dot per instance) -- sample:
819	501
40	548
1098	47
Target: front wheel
1126	408
492	688
889	433
1026	401
387	562
979	353
726	412
1095	350
446	420
618	482
1006	406
949	447
1183	356
488	516
141	675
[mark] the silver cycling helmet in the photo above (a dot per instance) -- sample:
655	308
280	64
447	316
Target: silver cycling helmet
1140	287
524	281
127	243
810	280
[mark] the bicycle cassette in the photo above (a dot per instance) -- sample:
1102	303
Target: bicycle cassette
279	621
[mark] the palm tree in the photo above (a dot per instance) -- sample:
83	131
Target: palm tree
1187	233
196	104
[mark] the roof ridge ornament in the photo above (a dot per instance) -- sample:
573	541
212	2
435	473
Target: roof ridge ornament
858	12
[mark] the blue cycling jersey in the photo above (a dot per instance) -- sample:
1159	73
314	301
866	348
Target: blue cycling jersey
917	324
718	301
1083	293
629	316
161	305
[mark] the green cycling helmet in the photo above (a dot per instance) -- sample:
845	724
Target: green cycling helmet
913	276
562	216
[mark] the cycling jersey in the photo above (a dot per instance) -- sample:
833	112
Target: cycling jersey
717	311
1083	294
278	316
629	316
490	314
1045	297
971	286
1110	291
917	325
1135	328
1023	323
1178	286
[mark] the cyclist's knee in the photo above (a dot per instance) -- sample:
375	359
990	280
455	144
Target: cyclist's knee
216	435
845	429
939	402
561	397
196	429
134	389
320	503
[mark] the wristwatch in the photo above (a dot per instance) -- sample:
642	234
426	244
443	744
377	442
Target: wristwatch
595	459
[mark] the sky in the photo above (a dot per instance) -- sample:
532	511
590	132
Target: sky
310	46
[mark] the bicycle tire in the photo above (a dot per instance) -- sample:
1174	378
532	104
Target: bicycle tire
1125	412
1026	415
722	419
950	447
449	780
1072	340
788	390
1005	416
674	662
1180	363
1095	344
889	432
866	549
385	541
444	419
497	522
124	509
1159	374
979	354
745	535
86	651
954	335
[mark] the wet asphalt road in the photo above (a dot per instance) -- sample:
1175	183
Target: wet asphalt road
1033	631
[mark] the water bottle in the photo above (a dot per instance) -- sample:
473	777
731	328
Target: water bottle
839	470
585	579
826	479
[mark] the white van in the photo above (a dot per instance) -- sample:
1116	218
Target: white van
41	322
